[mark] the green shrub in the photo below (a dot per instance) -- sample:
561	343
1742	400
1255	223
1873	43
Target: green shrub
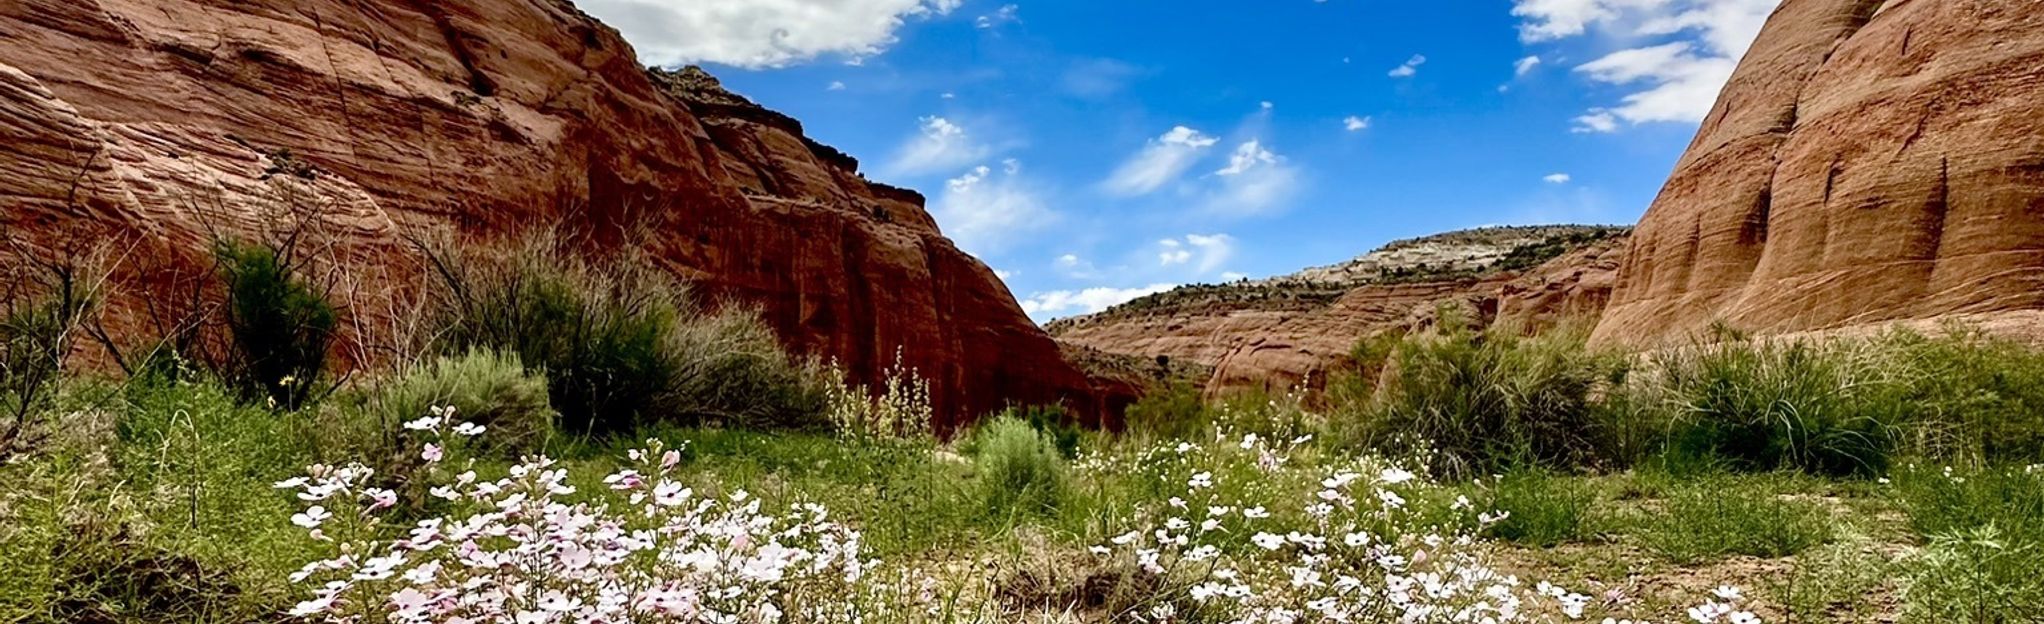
1716	516
281	328
1486	401
1020	470
1543	509
1756	406
621	342
1174	412
1976	575
1053	423
484	387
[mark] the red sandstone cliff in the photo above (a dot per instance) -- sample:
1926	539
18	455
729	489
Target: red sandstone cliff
156	119
1870	161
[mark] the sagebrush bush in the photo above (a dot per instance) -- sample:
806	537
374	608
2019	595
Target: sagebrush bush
487	388
621	342
1757	405
1020	469
280	326
1487	400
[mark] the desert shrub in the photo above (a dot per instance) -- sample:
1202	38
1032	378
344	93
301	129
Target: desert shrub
1542	508
484	387
281	328
1715	516
1755	405
620	341
1487	400
1173	412
1020	470
901	409
44	308
1050	421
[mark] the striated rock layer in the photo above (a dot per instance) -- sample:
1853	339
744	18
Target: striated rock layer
1870	161
161	121
1279	333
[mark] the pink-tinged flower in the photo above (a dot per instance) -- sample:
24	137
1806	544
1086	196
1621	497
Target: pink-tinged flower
311	518
380	498
432	453
316	606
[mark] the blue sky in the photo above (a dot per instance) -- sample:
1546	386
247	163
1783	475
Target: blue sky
1094	150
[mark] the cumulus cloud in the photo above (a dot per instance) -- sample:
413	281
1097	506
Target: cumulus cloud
1557	178
836	85
984	211
1159	163
1410	67
1355	124
1204	253
1680	54
939	145
1256	180
1056	303
759	33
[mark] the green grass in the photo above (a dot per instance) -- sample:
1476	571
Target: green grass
1545	509
1711	517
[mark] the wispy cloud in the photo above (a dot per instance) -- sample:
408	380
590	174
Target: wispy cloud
1203	253
1255	181
1160	162
1410	67
1059	303
939	145
1355	124
986	211
1680	52
1557	178
755	34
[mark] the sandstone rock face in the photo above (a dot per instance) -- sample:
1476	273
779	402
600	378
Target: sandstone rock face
1279	333
159	121
1870	161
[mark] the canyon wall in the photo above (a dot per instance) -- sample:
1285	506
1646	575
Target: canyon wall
1868	162
161	123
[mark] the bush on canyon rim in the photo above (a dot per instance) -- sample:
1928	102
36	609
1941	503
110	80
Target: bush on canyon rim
621	342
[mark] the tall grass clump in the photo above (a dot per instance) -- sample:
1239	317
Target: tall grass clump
491	389
1487	400
281	327
1542	508
1967	396
1720	515
1757	405
621	342
1020	469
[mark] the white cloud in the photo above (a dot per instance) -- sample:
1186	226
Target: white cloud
984	211
1410	67
759	33
1098	78
1267	104
1557	178
939	145
1231	276
1679	52
1162	161
1211	251
1003	15
1072	266
1355	124
1525	66
1068	302
836	85
1255	181
1004	275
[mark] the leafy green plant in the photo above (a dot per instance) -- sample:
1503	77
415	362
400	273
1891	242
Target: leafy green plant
1020	469
282	329
1976	575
